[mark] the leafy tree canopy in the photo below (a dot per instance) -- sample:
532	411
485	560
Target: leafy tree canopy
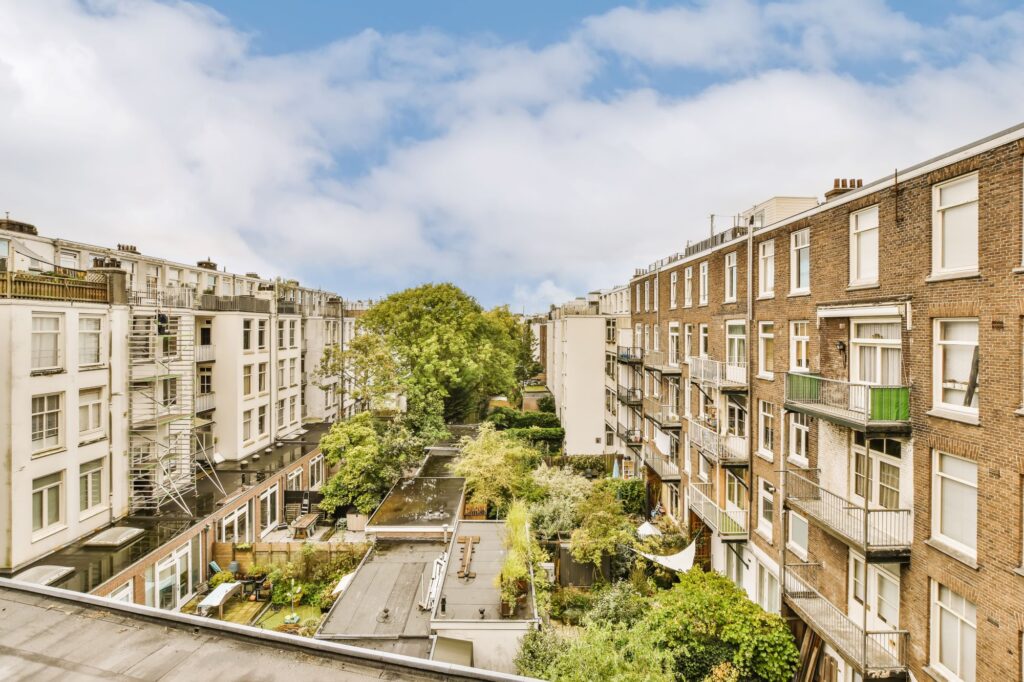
605	527
497	468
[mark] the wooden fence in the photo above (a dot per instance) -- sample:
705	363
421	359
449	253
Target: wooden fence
27	285
272	553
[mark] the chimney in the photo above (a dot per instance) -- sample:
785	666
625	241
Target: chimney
207	265
842	186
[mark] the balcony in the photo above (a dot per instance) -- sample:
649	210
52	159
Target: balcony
629	396
667	416
871	409
286	307
90	288
731	524
875	654
631	437
880	534
241	304
205	353
204	402
661	361
630	354
727	376
664	466
725	449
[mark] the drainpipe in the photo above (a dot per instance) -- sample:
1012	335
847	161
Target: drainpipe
751	505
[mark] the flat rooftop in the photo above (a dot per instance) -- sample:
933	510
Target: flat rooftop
464	597
49	633
395	576
419	503
438	465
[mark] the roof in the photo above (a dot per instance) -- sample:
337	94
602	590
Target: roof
50	633
380	607
420	503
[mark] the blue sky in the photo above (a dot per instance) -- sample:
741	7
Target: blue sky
527	151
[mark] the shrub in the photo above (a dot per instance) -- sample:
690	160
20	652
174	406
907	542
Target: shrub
220	578
631	493
621	604
546	404
571	604
548	438
587	465
538	651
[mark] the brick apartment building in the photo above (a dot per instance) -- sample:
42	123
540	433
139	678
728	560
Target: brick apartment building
829	398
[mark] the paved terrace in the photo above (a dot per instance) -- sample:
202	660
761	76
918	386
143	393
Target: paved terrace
52	634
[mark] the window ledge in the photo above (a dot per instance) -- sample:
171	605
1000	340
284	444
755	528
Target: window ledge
934	674
95	511
798	551
94	439
91	368
46	372
765	377
953	415
1019	570
765	297
1019	270
946	276
798	294
765	455
960	556
799	462
861	287
43	534
764	536
1019	412
51	451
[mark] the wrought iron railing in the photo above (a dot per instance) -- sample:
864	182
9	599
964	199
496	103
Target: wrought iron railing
630	436
630	354
629	396
860	403
871	530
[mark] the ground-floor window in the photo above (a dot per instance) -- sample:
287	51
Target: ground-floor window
954	634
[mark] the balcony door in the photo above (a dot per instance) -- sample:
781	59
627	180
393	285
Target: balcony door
876	358
174	578
736	350
876	589
875	469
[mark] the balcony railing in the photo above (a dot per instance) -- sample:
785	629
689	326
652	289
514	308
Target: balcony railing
664	466
662	361
243	304
666	415
204	353
54	287
875	653
632	437
631	354
726	449
731	524
717	373
857	406
204	402
878	533
629	396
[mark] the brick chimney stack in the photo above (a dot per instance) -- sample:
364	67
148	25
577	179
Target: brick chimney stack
842	186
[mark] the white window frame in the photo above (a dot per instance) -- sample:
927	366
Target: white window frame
703	284
767	596
688	287
46	527
687	341
938	216
731	284
791	545
673	281
799	241
38	361
966	616
94	337
939	478
48	424
766	269
799	438
90	404
90	484
673	344
294	480
798	343
764	496
766	420
862	224
316	472
763	337
703	340
267	524
647	295
247	426
938	352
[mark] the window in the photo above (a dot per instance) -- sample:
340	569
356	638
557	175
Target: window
687	341
954	634
261	420
799	346
766	269
688	287
292	408
46	422
268	511
294	481
637	306
766	349
293	371
703	468
730	277
47	501
206	379
657	288
89	339
246	334
293	340
887	594
234	527
955	502
703	340
281	404
46	343
673	344
281	337
767	589
703	284
90	412
657	338
261	334
647	337
864	246
876	356
766	431
247	425
736	416
90	485
734	566
282	373
262	377
800	262
647	295
673	280
247	380
956	365
69	259
799	430
798	535
875	471
955	226
316	472
736	343
765	507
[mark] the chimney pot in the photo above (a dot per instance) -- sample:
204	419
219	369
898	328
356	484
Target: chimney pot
835	183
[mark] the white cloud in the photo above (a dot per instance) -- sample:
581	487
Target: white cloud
481	162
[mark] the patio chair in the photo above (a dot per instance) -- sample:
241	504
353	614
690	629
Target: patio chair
214	567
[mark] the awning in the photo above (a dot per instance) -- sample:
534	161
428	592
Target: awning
681	561
647	529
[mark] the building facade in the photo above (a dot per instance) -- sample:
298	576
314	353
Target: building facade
829	398
124	375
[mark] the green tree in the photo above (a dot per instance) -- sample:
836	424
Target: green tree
366	470
605	527
617	653
705	620
497	468
560	492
